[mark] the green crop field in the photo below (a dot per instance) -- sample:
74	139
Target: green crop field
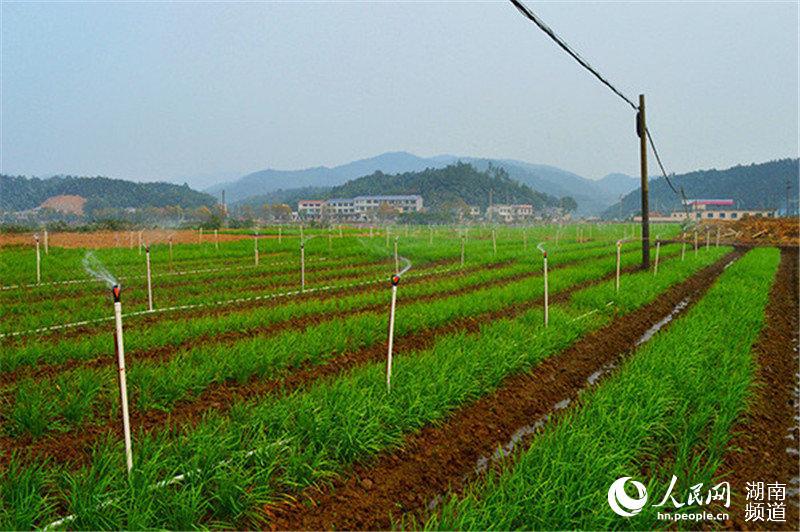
258	394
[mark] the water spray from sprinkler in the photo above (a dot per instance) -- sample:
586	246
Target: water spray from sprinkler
396	257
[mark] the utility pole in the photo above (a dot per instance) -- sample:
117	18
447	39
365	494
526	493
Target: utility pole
641	129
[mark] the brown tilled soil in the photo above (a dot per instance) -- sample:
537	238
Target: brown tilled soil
439	459
767	438
217	310
75	447
163	353
122	239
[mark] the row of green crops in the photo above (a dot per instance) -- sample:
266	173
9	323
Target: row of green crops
667	411
203	287
17	263
180	330
264	449
73	396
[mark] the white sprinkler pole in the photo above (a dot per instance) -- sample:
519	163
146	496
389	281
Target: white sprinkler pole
546	292
658	249
47	247
695	243
718	229
255	247
140	242
280	235
396	259
340	231
119	347
708	238
302	267
463	239
619	252
170	252
387	237
301	232
330	240
149	282
494	242
395	282
370	231
200	236
38	261
683	251
216	239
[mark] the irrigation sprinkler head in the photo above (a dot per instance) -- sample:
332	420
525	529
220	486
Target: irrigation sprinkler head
395	280
147	248
36	237
116	291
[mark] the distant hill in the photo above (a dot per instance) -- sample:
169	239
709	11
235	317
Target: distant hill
592	196
443	188
18	193
755	186
265	181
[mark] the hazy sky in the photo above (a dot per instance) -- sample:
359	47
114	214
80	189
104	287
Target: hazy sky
169	90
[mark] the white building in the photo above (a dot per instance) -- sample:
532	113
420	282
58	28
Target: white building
310	208
710	209
360	207
401	203
509	213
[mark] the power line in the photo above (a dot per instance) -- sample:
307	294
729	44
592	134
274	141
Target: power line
575	55
522	8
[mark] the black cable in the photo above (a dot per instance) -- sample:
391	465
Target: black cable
575	55
550	33
666	177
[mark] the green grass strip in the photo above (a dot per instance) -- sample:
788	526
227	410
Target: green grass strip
678	395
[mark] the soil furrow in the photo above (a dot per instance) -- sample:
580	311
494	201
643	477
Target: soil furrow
44	370
166	283
76	446
441	458
765	443
212	309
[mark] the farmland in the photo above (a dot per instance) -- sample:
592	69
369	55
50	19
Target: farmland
257	383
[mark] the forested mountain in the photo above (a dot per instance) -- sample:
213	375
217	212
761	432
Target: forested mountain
18	193
755	186
592	196
443	188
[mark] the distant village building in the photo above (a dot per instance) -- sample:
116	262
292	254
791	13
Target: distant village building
360	207
474	211
509	213
310	208
707	209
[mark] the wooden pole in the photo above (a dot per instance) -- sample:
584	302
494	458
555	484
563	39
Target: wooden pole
642	131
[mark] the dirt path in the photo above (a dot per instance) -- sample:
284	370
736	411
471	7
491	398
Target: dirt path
440	459
766	441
